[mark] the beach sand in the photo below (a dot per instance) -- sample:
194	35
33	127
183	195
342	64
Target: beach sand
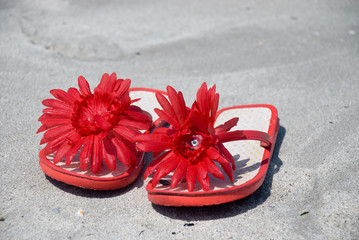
300	56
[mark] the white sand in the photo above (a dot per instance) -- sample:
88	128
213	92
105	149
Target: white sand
301	56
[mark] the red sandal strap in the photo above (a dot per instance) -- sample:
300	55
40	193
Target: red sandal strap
257	135
245	135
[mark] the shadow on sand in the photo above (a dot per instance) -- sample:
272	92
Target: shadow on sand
233	208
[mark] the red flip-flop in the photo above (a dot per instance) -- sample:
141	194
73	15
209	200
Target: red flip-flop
207	157
89	135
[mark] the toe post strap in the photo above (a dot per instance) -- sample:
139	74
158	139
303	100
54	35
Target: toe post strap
257	135
245	135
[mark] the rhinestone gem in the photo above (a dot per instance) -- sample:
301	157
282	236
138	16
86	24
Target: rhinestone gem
194	142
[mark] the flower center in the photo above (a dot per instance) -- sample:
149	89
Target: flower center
95	115
192	145
194	142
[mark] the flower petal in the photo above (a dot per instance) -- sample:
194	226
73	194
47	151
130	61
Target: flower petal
96	154
109	154
166	117
123	88
165	168
63	150
198	119
153	146
213	169
179	173
164	130
212	153
156	154
86	152
182	103
105	79
57	113
53	122
63	96
134	108
203	100
128	133
74	93
53	103
123	152
153	137
154	164
55	132
214	106
137	115
57	142
203	178
177	103
227	125
191	177
41	129
66	146
74	150
227	154
165	104
84	86
50	149
226	167
144	125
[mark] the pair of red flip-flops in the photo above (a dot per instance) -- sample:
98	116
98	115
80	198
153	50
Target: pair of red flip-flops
96	141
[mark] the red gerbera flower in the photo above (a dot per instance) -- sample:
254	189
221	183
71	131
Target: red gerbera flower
102	123
192	145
